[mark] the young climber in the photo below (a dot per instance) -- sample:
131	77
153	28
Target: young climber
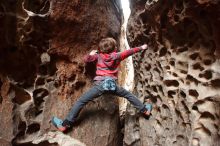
107	65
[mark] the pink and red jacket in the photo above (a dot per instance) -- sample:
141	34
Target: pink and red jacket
107	64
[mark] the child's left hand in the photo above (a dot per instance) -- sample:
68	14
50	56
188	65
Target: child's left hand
144	47
93	52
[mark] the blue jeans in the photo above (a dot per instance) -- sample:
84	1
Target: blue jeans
96	91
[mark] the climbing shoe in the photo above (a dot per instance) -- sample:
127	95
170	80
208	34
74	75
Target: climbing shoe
148	108
146	111
58	123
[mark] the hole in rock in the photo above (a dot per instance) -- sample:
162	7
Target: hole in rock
171	93
183	71
161	89
40	81
178	113
215	83
169	83
216	127
38	112
37	6
144	17
147	67
207	115
185	106
167	67
182	49
154	88
174	74
43	69
21	129
39	95
193	92
183	94
180	137
207	62
157	70
207	74
195	108
200	102
153	98
197	66
163	51
49	80
194	56
79	84
176	18
72	78
192	79
165	106
33	128
21	96
57	83
182	80
172	63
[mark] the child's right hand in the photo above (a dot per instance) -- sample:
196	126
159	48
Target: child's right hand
144	47
93	52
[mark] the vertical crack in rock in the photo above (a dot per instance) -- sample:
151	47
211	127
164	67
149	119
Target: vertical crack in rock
127	75
127	112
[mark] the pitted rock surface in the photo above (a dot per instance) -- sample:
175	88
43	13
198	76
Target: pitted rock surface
42	44
179	72
42	72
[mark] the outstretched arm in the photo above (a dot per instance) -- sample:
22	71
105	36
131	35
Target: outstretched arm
93	56
127	53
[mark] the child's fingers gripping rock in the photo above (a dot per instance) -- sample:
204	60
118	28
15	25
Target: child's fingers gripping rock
144	47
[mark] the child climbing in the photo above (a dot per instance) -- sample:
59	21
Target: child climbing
107	63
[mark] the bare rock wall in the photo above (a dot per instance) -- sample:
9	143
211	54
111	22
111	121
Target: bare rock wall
42	72
179	72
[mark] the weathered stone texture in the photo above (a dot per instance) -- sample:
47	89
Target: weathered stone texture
42	45
179	71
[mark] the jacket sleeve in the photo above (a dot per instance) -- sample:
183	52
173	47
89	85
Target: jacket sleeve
127	53
90	58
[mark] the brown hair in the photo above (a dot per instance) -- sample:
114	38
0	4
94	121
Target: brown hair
107	45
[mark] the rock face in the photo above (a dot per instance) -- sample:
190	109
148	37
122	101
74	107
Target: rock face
42	72
179	72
